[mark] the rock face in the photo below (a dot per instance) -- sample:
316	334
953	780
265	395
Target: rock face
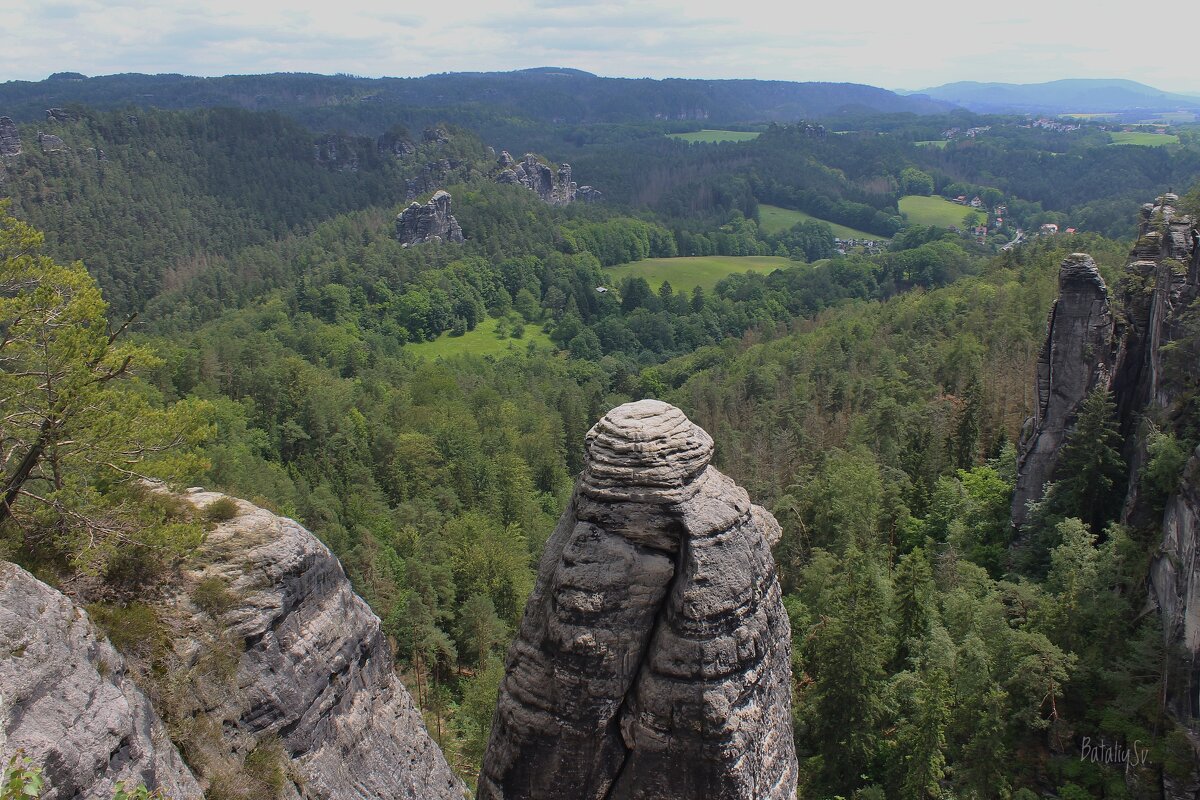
653	659
50	143
1076	358
10	138
431	222
554	187
338	152
68	703
315	670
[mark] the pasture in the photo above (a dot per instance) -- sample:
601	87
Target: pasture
714	137
1142	138
936	211
483	341
688	272
773	219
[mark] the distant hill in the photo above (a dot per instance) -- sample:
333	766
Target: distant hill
549	94
1077	95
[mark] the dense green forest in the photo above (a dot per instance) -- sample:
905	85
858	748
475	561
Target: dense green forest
871	401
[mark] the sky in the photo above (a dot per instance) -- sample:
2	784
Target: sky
898	45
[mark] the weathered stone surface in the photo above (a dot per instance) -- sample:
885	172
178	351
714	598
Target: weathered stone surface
50	143
62	115
395	144
589	194
1078	356
315	671
553	186
431	222
10	138
67	701
653	660
338	152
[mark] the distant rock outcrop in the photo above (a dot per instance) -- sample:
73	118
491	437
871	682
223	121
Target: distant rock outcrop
10	138
431	222
67	701
314	670
653	660
553	186
1076	358
50	143
338	152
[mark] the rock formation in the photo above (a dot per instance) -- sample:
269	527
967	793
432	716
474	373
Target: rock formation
10	138
1085	349
338	152
1076	358
653	660
431	222
314	669
50	143
68	703
554	187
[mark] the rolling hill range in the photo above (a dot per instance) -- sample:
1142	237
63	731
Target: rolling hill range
545	94
1079	95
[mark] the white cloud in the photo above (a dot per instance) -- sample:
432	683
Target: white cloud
910	44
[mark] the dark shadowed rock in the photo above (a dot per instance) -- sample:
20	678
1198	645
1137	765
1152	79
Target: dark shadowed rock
338	152
653	659
10	138
1078	356
67	701
431	222
589	194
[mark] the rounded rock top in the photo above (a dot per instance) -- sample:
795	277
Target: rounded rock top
647	443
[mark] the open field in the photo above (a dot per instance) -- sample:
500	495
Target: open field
480	342
689	272
1143	138
938	143
773	219
712	137
935	211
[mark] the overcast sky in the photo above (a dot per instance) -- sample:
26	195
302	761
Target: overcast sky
900	44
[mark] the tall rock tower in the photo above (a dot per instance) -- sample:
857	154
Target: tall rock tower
653	660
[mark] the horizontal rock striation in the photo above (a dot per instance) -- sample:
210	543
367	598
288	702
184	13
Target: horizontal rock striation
431	222
653	660
553	186
68	703
314	670
10	138
1077	357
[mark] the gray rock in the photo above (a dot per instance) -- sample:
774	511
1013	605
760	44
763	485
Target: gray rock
337	152
10	138
67	701
653	660
315	670
553	186
589	194
435	135
1078	356
431	222
50	143
62	115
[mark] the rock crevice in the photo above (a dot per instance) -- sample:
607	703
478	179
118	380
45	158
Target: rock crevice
653	660
431	222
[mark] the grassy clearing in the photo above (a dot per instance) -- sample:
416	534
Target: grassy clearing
938	143
689	272
773	219
1143	138
480	342
713	137
936	211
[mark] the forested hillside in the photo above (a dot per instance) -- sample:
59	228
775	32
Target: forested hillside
872	399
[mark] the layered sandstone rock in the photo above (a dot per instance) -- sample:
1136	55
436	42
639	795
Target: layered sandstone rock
653	660
431	222
68	704
1076	358
10	138
314	670
553	186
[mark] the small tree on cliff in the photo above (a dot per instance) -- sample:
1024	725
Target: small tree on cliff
1091	472
73	426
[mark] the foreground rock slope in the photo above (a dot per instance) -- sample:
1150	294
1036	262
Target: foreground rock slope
314	671
653	660
68	704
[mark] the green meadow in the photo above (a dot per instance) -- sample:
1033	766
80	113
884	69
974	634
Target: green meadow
688	272
773	219
713	137
938	143
483	341
936	211
1143	138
